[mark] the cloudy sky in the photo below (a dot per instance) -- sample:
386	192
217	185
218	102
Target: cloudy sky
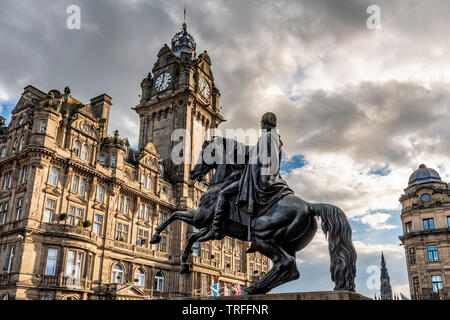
358	109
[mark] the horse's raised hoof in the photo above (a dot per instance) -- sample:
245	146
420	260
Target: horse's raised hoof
156	239
184	268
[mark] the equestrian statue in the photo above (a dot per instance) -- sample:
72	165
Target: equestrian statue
248	200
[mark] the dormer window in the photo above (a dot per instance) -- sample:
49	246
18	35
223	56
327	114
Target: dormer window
21	143
149	183
85	153
14	149
43	126
77	148
113	160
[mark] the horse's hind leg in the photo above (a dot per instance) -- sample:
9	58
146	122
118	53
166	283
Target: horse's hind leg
187	250
186	216
284	267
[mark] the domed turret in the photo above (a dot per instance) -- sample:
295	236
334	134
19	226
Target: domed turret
424	175
183	42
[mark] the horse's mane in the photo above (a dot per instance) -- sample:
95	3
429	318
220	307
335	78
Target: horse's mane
237	146
224	169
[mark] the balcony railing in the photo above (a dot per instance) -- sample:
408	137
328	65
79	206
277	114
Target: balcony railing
204	262
159	294
66	282
138	249
68	229
123	245
234	274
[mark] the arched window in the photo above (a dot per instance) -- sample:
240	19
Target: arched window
117	274
21	143
139	278
77	148
5	297
47	298
14	149
159	281
85	153
149	183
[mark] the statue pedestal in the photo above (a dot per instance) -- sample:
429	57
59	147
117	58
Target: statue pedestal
318	295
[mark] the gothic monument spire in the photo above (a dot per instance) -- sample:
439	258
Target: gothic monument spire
385	289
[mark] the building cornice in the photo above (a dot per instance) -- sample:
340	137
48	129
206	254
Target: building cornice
424	233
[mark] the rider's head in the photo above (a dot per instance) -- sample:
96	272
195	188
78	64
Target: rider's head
269	121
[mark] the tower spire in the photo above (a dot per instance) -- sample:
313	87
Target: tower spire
385	290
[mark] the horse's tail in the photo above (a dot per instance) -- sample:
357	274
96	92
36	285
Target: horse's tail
342	253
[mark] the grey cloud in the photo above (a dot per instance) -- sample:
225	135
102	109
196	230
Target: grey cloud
119	40
368	122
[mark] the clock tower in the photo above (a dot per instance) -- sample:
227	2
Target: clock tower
179	96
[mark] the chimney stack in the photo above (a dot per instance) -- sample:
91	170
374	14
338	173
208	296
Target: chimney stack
102	106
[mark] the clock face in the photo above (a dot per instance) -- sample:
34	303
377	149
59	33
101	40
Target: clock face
425	197
163	81
205	90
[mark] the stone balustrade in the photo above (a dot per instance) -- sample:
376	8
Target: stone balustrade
66	282
70	230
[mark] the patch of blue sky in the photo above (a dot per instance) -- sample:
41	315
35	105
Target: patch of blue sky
384	171
366	234
295	162
297	78
5	110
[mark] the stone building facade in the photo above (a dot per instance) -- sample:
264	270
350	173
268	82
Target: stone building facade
426	225
78	207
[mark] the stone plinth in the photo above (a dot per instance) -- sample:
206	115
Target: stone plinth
318	295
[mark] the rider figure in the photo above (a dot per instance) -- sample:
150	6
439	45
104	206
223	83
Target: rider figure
260	184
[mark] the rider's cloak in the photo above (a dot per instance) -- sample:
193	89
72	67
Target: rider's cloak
261	185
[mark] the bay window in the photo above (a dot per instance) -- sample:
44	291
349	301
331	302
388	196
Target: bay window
50	267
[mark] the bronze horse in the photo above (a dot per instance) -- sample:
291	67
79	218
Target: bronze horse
287	227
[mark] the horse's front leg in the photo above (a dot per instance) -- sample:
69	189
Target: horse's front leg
186	216
187	250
